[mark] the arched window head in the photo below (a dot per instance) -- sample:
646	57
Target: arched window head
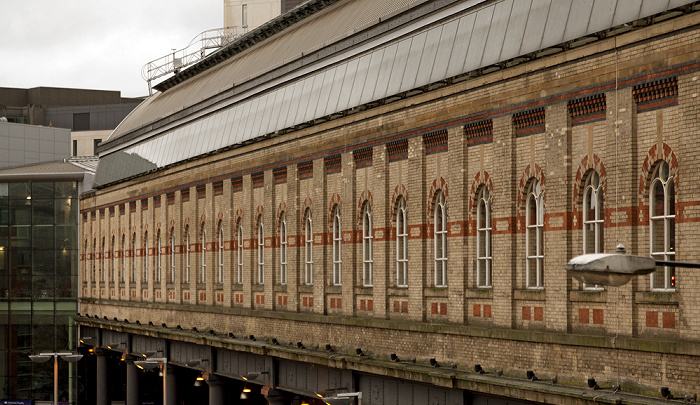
662	226
483	239
308	248
440	240
337	247
534	236
401	244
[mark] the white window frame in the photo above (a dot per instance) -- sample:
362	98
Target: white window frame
593	225
401	246
261	252
440	241
484	258
145	255
220	275
188	255
367	246
172	255
663	280
203	275
159	274
283	249
337	248
239	273
308	248
534	262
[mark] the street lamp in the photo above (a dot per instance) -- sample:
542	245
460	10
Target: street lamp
152	362
44	357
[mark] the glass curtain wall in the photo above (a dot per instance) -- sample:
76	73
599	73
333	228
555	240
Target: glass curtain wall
38	286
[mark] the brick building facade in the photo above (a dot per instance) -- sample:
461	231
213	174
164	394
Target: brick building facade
434	224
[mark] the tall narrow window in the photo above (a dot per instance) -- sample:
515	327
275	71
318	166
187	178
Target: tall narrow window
662	227
203	276
85	258
401	245
132	279
159	267
188	254
367	246
593	219
239	273
123	275
113	267
534	237
337	248
172	255
483	239
220	276
94	260
144	278
283	249
104	261
261	252
308	249
244	15
440	241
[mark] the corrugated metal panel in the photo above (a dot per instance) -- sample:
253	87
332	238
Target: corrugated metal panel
472	39
650	7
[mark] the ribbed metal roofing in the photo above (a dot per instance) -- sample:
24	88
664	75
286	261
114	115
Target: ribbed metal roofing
428	43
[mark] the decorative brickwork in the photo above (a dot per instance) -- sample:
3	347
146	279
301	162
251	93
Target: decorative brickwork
237	184
332	164
306	170
397	150
280	175
218	187
363	157
480	132
258	179
435	142
656	94
587	109
529	122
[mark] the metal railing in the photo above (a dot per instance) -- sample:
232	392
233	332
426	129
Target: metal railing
200	47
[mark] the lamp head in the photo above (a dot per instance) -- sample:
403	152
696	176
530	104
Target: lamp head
39	358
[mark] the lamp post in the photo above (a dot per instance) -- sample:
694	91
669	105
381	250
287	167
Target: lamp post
152	362
44	357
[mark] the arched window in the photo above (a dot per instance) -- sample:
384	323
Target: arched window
401	245
283	249
188	254
483	239
662	226
133	258
172	255
308	248
367	246
593	219
159	260
104	261
261	251
113	276
123	275
203	275
144	279
534	237
337	248
440	241
239	251
220	275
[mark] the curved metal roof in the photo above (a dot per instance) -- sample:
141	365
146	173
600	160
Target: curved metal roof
265	89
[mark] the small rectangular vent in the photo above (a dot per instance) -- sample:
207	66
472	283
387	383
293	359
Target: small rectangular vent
397	150
332	164
529	122
435	142
657	94
237	184
306	170
479	132
587	109
258	179
280	175
363	157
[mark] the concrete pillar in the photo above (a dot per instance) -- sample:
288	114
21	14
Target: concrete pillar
216	390
132	381
170	382
101	380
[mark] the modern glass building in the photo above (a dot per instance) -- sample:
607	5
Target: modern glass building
39	275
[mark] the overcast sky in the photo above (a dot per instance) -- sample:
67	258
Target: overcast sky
95	44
